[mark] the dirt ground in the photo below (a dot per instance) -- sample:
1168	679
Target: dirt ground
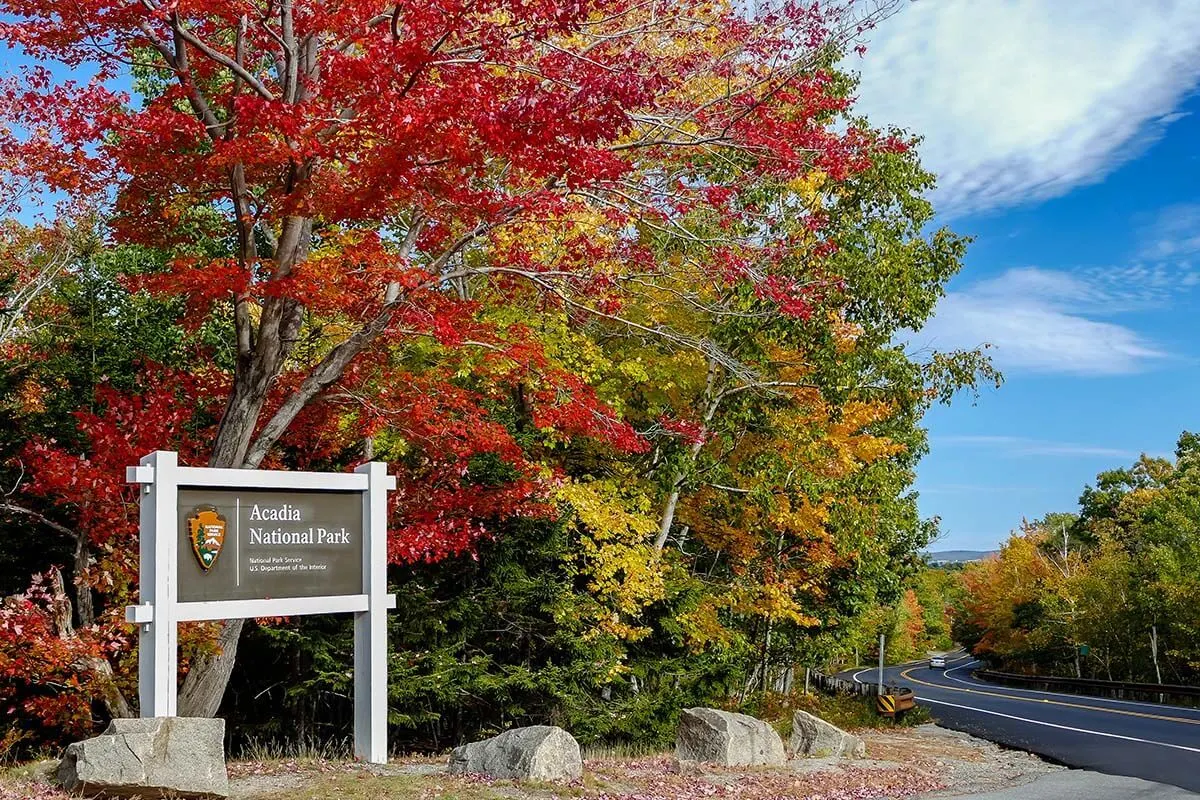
926	761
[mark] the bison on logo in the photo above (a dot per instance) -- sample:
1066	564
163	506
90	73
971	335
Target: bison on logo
206	528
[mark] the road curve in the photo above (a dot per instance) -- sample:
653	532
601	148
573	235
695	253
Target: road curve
1141	740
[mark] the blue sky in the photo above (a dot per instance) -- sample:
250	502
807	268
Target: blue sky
1066	137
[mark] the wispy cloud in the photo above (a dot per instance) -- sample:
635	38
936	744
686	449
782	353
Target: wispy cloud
1044	320
974	488
1173	235
1017	446
1022	100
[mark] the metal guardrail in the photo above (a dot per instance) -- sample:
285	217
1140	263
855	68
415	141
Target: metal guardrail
893	702
896	703
834	685
1119	690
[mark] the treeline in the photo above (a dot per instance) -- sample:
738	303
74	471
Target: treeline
626	327
1111	591
795	542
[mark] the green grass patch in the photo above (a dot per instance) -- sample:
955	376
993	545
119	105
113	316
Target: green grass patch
847	711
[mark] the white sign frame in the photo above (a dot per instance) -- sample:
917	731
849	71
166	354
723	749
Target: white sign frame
159	611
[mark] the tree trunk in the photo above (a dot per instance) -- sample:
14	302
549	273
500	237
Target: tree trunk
208	675
84	605
204	687
1154	652
102	672
711	400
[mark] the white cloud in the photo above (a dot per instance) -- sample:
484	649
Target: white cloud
974	488
1022	100
1023	446
1174	234
1041	320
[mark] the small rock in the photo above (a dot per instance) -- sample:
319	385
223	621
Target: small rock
177	757
726	738
540	752
814	737
678	766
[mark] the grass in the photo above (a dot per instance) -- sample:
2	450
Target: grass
356	782
302	749
609	774
324	769
621	750
850	712
365	786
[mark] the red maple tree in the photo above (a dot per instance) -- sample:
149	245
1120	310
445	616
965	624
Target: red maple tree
364	160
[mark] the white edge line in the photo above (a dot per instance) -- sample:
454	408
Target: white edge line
1061	727
993	686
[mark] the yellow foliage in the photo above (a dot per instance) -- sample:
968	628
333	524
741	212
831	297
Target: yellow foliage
771	600
623	570
702	627
799	516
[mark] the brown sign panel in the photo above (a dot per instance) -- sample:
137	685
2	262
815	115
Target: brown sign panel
251	544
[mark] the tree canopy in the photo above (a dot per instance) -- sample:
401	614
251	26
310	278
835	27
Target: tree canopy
624	282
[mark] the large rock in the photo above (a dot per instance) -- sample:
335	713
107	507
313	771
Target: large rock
153	757
540	752
814	737
722	737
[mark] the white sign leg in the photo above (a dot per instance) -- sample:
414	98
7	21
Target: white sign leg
370	626
159	637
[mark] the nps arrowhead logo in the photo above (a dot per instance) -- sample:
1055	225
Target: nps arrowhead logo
206	529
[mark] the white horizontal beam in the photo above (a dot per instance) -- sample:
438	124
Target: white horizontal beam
275	607
140	615
271	479
143	473
259	479
192	612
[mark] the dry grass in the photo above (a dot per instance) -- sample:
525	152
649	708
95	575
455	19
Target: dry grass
604	779
32	781
908	745
363	785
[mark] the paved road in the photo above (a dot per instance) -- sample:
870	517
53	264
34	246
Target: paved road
1083	785
1140	740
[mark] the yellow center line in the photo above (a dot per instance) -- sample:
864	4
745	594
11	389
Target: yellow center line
908	675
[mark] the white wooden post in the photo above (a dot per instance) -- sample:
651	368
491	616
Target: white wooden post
158	639
370	626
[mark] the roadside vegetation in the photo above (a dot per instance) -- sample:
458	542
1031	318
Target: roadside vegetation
1110	591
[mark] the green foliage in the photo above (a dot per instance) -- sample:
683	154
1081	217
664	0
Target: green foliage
785	446
1112	576
98	332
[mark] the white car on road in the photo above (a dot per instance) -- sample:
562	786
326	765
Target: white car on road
937	662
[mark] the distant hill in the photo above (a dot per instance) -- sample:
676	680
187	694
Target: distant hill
957	556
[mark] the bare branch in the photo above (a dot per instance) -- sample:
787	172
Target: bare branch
222	59
13	508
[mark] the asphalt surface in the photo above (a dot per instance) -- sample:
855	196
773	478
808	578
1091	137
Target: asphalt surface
1084	785
1141	740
